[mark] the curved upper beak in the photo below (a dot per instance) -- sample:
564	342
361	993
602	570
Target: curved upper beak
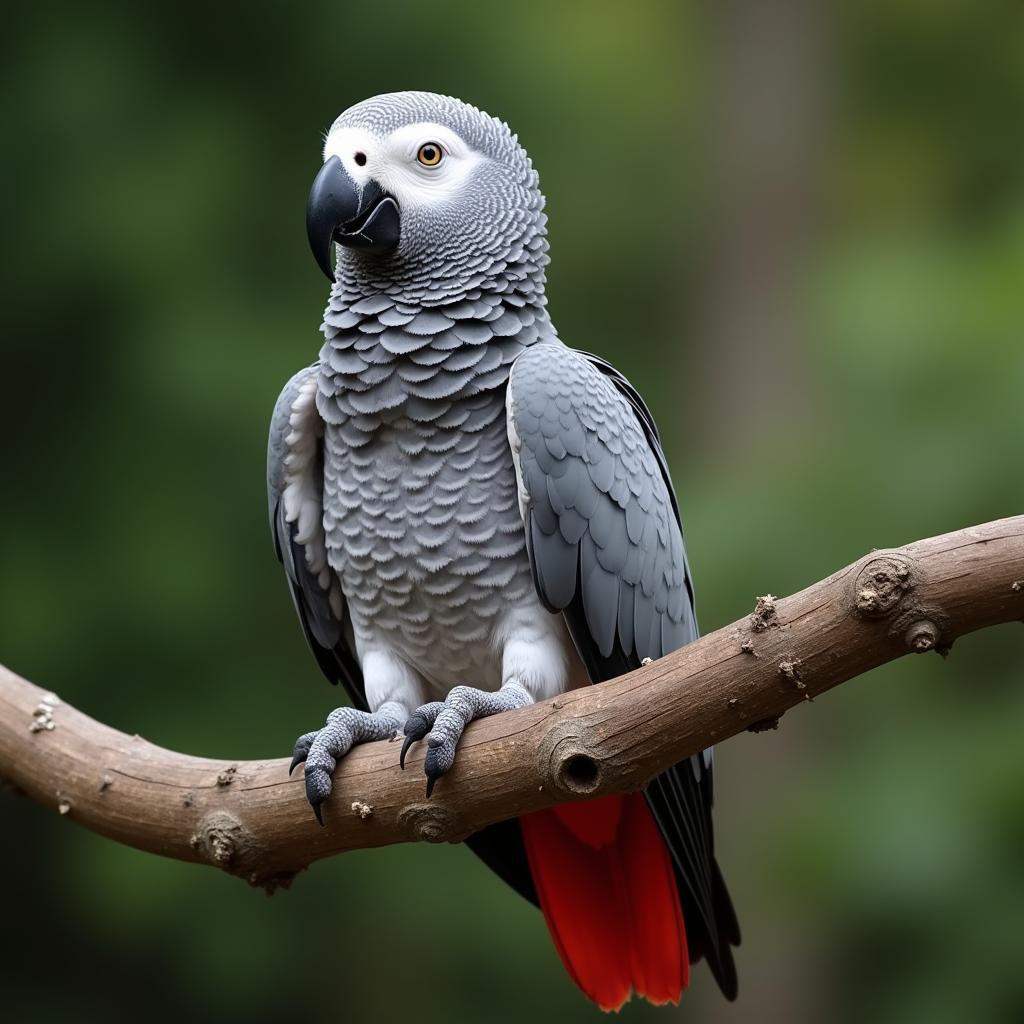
358	216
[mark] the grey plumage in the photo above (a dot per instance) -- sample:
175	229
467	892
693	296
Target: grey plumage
449	469
606	548
421	519
327	629
598	506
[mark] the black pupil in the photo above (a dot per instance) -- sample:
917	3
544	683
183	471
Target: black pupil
360	158
429	154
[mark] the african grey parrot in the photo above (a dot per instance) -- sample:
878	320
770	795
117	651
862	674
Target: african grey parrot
457	496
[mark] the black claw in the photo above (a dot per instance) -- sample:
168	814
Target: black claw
300	752
431	770
318	811
409	741
415	728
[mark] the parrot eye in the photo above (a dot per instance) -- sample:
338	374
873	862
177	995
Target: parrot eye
430	154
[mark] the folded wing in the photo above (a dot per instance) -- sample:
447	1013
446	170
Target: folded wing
606	549
295	499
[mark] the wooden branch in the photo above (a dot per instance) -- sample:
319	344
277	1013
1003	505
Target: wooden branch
252	820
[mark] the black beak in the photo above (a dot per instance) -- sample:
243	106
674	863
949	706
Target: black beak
359	216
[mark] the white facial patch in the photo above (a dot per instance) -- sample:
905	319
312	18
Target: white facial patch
391	161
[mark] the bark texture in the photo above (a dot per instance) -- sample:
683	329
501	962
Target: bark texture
251	820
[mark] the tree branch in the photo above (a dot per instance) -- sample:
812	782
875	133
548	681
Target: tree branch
252	820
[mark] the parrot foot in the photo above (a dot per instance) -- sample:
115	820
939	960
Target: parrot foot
442	723
321	750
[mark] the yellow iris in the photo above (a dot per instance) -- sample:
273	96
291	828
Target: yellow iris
430	154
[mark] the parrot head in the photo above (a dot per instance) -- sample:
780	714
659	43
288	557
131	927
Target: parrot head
415	179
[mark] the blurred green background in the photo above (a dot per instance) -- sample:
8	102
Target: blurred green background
821	291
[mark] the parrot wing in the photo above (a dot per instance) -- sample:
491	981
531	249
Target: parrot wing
606	549
295	500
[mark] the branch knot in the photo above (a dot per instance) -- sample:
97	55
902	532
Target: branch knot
222	840
565	762
431	823
880	586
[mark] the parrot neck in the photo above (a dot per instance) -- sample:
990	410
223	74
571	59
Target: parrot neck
509	262
398	340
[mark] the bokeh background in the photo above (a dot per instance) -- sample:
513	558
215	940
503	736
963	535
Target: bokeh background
797	226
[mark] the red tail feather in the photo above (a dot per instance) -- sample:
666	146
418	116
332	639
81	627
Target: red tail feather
608	892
